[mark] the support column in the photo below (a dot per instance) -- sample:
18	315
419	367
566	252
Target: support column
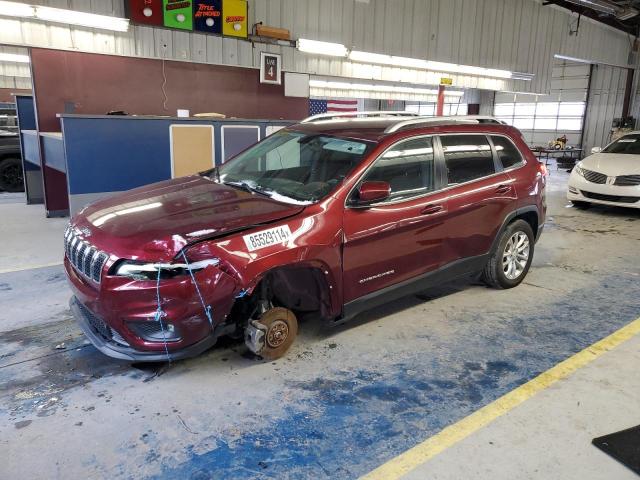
440	104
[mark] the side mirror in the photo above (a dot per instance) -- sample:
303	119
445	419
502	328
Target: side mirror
596	149
370	192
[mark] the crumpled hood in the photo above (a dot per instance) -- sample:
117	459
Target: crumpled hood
153	223
613	164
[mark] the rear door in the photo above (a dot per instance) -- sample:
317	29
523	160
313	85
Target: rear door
401	237
481	194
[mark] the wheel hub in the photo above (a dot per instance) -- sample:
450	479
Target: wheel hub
277	334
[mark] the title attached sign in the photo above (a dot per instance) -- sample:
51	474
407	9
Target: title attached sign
207	16
270	68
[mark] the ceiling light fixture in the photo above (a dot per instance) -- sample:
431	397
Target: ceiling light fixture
61	15
13	9
322	48
14	57
406	62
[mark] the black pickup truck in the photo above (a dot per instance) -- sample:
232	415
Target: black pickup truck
11	176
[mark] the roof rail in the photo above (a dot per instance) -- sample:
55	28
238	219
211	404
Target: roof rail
381	113
460	119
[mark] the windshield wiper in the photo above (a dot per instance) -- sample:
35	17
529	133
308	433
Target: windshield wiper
247	187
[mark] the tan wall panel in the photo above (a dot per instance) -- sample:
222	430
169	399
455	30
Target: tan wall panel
191	149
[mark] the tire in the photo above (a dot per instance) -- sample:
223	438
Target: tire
11	176
277	321
502	272
581	205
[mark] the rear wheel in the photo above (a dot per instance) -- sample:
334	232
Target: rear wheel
509	264
11	179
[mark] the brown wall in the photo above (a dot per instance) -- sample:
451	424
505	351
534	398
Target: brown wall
7	94
75	82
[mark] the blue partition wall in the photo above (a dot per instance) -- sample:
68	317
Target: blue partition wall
31	164
107	154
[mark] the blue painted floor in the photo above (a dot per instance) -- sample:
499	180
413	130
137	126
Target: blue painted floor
353	421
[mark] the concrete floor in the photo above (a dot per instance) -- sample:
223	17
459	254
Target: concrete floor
344	400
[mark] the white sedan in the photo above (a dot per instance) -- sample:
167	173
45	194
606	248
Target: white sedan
610	176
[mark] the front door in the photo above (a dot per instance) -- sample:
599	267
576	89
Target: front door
402	236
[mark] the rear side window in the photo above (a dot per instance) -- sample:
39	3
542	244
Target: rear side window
507	152
408	167
467	157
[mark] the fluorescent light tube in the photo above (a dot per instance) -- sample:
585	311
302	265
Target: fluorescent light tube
13	9
14	57
61	15
405	62
73	17
322	48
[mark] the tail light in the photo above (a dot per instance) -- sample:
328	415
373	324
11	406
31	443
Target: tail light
543	169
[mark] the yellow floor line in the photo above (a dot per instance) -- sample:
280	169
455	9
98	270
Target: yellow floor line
421	453
32	267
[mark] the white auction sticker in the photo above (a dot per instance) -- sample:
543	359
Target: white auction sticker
265	238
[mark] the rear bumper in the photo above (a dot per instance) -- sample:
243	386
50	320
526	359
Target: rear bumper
107	341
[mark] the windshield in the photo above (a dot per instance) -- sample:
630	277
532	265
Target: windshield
294	167
629	144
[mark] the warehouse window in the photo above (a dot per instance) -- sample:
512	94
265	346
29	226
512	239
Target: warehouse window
555	116
429	109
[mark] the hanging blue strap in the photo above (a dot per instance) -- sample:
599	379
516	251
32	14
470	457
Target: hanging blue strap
159	314
207	308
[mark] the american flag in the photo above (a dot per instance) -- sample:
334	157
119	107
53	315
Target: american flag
317	106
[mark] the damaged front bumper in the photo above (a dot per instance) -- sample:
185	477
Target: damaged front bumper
118	315
112	344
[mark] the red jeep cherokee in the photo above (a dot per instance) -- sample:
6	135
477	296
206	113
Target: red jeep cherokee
328	217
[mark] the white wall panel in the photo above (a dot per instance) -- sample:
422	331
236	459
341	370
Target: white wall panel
517	35
605	104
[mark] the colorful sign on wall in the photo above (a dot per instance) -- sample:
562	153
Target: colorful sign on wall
146	12
226	17
207	16
234	14
178	14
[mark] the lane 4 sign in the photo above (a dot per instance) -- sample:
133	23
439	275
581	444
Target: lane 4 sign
270	68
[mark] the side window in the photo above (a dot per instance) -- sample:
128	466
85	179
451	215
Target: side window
467	157
408	167
508	154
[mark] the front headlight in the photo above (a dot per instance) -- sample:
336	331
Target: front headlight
578	169
149	271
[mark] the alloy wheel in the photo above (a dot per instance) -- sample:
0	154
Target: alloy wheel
515	255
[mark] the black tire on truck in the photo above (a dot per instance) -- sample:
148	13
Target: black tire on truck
11	176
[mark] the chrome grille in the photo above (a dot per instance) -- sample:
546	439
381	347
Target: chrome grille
594	177
84	257
628	180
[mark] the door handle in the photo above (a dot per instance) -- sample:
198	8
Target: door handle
503	189
431	209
